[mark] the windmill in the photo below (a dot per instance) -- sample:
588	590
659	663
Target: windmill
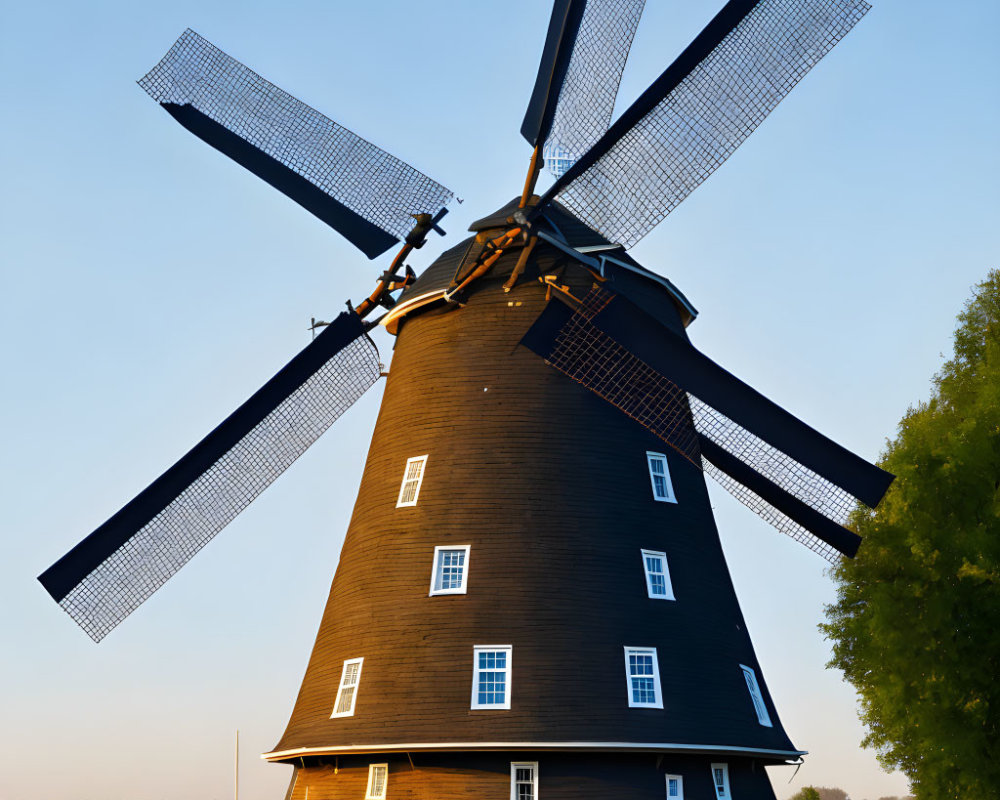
532	597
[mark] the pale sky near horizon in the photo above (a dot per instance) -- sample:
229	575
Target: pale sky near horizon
150	286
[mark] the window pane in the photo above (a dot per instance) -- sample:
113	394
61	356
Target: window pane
452	566
346	696
672	788
378	778
643	690
641	664
492	687
524	781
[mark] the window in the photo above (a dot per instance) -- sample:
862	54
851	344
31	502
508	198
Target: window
658	584
451	566
659	476
524	780
720	779
348	691
643	675
413	475
378	777
491	676
758	700
675	787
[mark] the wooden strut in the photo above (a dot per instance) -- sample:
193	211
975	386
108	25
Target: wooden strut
495	248
551	282
386	284
390	280
537	162
522	262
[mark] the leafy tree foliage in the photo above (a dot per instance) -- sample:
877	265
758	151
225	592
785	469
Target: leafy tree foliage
916	626
806	793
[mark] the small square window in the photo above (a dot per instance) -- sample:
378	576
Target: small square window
524	780
675	787
658	584
758	699
491	676
720	780
451	569
643	675
347	693
659	477
413	476
378	779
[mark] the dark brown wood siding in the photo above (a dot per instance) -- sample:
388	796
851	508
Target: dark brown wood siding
486	776
549	485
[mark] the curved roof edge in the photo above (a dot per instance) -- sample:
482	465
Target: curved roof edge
639	747
599	256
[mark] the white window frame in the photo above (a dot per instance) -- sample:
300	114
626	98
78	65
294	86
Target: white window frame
680	787
758	699
514	765
508	679
436	569
658	701
725	782
369	794
660	458
340	689
419	479
667	585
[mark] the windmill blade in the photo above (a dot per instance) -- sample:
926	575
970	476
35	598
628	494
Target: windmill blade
563	27
361	191
585	51
783	510
695	115
806	481
110	573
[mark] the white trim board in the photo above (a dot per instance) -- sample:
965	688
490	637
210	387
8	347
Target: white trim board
657	747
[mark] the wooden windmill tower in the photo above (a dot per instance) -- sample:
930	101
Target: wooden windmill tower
532	599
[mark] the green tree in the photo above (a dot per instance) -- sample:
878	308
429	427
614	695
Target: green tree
916	625
806	793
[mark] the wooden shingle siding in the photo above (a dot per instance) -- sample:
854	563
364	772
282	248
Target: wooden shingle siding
560	777
549	485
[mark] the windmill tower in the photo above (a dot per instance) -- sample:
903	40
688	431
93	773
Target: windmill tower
532	599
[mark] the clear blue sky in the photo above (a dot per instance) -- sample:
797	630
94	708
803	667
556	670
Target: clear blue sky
149	286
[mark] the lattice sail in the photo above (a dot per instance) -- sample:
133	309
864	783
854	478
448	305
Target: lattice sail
590	86
795	498
700	110
115	569
361	190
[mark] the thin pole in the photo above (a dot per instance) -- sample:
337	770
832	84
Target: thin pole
533	169
236	775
